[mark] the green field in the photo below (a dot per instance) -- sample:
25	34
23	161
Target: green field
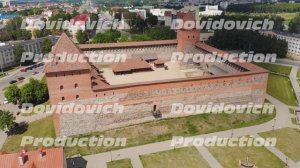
182	158
298	73
124	163
165	129
281	88
229	156
284	70
287	141
37	129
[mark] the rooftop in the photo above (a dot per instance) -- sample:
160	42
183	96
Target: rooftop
174	71
51	158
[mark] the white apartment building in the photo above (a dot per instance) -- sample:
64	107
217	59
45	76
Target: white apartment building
7	56
293	41
211	11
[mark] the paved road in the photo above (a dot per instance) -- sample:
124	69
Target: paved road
4	82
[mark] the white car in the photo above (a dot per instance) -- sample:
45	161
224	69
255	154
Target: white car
5	101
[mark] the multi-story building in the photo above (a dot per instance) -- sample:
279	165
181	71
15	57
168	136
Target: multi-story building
293	41
7	56
6	3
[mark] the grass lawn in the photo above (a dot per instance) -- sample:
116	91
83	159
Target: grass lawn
298	73
30	113
183	157
281	88
294	121
287	141
39	128
124	163
285	70
229	156
161	130
287	16
291	111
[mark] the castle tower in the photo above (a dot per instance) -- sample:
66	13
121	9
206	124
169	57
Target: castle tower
67	80
187	37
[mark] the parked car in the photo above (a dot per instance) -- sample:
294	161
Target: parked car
23	70
34	73
21	78
5	101
13	81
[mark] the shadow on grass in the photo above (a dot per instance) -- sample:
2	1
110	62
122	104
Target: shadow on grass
19	128
77	162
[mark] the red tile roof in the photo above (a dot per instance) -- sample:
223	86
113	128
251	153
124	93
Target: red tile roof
189	17
159	62
65	45
52	158
168	13
81	18
130	65
127	44
180	15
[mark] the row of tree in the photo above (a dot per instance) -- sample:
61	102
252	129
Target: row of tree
30	12
34	92
112	36
294	25
278	21
264	8
13	31
248	40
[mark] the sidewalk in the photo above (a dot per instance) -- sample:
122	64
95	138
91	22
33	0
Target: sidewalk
282	120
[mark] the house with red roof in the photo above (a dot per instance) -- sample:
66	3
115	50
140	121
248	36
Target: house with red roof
79	23
42	158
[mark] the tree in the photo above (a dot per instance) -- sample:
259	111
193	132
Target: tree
46	46
160	33
15	31
7	120
294	25
124	38
41	33
35	92
13	94
110	36
18	54
152	20
81	36
242	39
137	24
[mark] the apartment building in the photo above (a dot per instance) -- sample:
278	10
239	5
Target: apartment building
7	56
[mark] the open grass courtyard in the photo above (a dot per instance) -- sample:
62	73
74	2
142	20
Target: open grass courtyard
281	88
124	163
229	156
287	141
281	69
183	157
161	130
37	129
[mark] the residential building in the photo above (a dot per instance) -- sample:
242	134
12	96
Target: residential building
79	23
42	158
7	56
293	41
211	11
